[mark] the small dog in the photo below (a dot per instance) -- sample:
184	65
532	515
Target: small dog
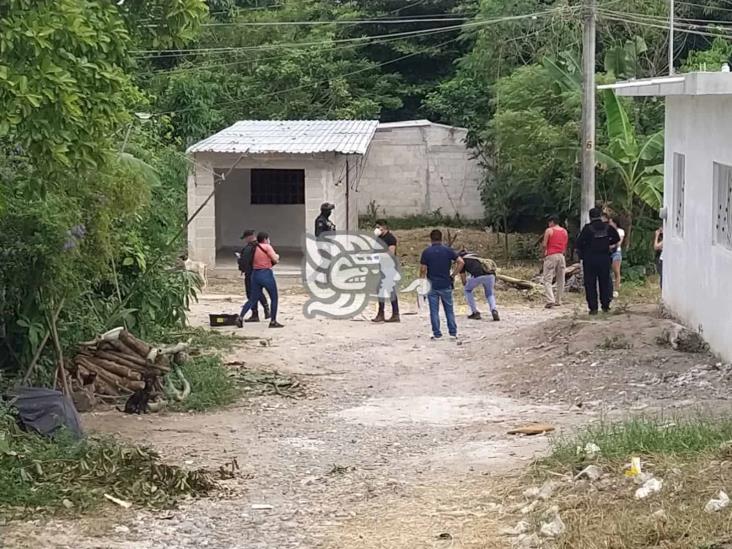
139	401
199	268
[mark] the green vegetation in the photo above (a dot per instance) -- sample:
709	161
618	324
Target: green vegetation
211	385
643	437
63	474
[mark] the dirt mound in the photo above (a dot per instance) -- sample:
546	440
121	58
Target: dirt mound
616	361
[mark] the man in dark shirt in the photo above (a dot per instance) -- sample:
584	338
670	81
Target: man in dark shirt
480	275
593	247
383	233
246	266
435	265
323	223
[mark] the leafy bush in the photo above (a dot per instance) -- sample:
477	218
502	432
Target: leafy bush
38	472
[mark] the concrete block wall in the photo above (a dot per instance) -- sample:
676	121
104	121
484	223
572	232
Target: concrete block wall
202	230
417	169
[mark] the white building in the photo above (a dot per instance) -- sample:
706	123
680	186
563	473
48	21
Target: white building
697	255
418	167
274	175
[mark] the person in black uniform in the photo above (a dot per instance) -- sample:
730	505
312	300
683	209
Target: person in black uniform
383	233
593	248
323	223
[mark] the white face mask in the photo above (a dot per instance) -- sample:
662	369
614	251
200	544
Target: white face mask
377	231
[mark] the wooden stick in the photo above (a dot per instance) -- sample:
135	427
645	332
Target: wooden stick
129	354
39	350
122	360
139	347
116	381
60	369
116	369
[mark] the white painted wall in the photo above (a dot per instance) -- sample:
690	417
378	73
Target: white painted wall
415	170
697	272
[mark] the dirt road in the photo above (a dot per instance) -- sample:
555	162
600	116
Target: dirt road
398	442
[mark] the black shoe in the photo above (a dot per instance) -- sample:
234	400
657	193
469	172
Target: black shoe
394	318
239	322
253	318
379	318
496	317
275	324
606	309
475	316
593	313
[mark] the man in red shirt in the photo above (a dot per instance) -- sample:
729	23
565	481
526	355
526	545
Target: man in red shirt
555	246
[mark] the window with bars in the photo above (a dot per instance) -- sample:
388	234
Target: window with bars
278	187
722	205
679	191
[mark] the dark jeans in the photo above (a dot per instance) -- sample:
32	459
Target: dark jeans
596	269
248	289
262	279
434	298
659	269
394	304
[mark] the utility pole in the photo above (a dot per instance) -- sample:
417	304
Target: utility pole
671	20
588	110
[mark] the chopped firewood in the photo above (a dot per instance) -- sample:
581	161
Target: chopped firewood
139	347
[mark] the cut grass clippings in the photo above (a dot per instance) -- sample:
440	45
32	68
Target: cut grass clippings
211	385
690	457
64	474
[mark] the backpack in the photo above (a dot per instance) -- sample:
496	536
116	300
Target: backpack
489	266
600	242
246	259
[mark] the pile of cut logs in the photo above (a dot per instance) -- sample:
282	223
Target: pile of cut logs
117	364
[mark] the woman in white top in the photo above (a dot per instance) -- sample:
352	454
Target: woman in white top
617	256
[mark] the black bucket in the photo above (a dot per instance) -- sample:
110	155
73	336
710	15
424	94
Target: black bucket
220	320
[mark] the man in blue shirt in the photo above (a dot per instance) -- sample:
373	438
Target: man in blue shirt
435	265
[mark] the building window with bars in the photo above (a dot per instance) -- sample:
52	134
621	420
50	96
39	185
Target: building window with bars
722	205
278	187
679	183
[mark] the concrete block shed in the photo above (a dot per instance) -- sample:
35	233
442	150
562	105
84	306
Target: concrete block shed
417	167
272	176
697	249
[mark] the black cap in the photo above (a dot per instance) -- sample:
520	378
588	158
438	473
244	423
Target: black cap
327	206
595	213
247	233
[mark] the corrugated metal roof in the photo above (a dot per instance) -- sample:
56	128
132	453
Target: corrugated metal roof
291	137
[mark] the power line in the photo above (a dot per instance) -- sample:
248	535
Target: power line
334	22
325	46
707	8
155	54
664	26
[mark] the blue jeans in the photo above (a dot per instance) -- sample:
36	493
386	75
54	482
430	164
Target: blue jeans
488	282
434	297
262	279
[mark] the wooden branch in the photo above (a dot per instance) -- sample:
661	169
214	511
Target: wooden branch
517	282
39	350
139	347
114	380
116	369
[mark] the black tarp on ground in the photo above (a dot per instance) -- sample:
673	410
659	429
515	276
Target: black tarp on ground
45	411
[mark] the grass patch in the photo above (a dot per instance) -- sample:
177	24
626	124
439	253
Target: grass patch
689	455
64	474
211	385
644	436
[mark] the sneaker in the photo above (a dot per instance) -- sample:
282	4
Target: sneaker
496	316
394	319
239	322
616	295
475	316
593	313
436	338
253	318
275	324
453	337
379	318
550	305
606	310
